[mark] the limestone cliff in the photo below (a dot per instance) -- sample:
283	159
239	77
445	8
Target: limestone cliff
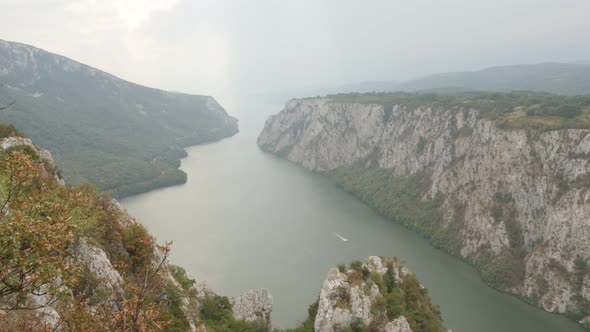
254	305
512	201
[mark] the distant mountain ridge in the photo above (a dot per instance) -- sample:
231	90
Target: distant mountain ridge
553	77
124	137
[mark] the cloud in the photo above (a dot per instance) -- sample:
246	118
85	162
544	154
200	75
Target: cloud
229	46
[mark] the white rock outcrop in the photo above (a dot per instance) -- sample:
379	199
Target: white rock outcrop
99	266
346	298
398	325
329	314
253	305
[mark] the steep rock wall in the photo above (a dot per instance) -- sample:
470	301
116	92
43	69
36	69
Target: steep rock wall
513	202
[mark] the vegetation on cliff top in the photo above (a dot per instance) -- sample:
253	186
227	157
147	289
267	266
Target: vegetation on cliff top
405	297
518	109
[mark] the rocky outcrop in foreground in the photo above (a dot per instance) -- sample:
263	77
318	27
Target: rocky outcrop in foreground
513	202
254	305
72	259
379	295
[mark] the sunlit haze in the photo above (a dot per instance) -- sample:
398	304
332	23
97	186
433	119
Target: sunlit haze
223	48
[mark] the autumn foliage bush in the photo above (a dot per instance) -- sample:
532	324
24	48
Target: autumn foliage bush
40	223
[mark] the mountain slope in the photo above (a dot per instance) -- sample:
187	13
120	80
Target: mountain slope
72	259
559	78
485	183
123	137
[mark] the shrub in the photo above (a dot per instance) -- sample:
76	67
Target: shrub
182	278
8	130
138	244
563	111
216	309
356	265
357	325
173	310
581	269
421	144
27	150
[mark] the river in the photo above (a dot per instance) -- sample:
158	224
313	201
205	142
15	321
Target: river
246	219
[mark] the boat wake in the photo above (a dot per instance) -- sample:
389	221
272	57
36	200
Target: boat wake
342	238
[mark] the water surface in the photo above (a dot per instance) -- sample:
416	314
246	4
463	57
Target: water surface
247	219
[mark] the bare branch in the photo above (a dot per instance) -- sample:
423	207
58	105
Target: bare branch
2	108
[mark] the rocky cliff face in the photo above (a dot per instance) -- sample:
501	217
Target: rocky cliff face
514	202
376	295
254	305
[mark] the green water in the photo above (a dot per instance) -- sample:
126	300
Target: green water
247	219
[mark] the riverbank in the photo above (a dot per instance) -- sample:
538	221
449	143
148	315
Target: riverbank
172	176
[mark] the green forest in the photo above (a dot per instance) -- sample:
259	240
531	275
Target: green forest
517	109
123	137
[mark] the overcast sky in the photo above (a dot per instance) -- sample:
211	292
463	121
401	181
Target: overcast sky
221	47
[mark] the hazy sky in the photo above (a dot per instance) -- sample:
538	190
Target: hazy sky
222	47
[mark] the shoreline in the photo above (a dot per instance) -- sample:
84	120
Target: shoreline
179	177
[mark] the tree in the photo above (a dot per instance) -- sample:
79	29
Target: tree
140	311
35	234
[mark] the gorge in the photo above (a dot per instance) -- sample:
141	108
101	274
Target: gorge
493	178
281	222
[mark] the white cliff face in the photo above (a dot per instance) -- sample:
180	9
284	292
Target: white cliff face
328	313
346	298
302	132
253	305
99	266
107	281
505	190
398	325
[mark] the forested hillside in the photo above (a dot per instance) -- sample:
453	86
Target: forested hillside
123	137
559	78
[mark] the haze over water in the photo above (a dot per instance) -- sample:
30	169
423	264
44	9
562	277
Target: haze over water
247	219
